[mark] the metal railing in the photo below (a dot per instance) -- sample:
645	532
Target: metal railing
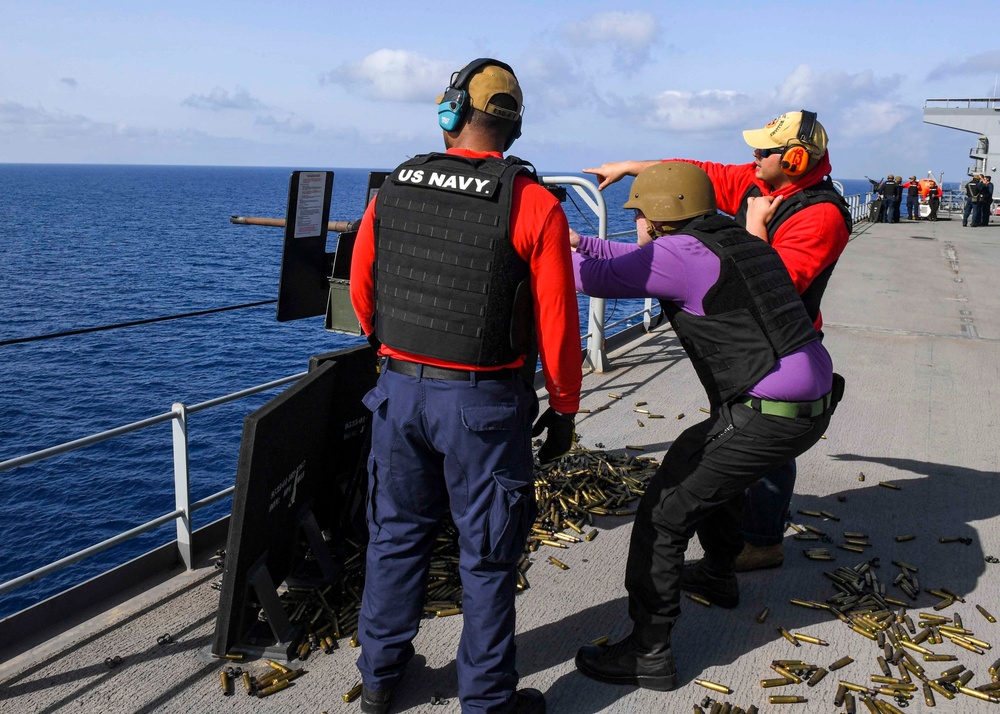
183	508
981	103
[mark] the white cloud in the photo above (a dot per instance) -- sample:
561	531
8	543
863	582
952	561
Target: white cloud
806	88
291	125
394	75
219	99
697	112
629	34
39	122
866	120
983	63
553	84
853	107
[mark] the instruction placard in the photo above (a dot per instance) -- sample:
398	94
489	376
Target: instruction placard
309	206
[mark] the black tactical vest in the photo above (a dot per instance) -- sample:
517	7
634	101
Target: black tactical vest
752	317
823	192
448	283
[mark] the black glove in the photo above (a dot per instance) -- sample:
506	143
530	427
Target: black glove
560	437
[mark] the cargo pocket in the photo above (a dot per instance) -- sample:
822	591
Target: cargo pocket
376	400
509	517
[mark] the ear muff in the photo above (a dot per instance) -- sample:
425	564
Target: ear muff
451	110
453	107
795	160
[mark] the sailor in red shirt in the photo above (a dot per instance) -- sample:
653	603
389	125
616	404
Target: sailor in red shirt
460	261
785	196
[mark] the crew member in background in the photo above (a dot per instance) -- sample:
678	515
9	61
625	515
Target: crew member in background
898	204
459	259
933	199
890	199
785	196
972	190
769	382
912	199
985	201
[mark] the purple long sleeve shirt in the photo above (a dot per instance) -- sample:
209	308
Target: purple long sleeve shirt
681	269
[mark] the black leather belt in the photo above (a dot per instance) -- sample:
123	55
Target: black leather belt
426	371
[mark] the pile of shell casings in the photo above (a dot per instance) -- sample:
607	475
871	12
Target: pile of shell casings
572	490
569	493
273	679
863	605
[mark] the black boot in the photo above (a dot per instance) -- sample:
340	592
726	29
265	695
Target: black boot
376	701
643	659
529	701
713	580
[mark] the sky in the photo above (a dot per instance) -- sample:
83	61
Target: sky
333	84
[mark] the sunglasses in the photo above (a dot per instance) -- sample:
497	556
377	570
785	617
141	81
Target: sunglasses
761	154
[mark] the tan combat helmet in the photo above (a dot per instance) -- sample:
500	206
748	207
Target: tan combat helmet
671	192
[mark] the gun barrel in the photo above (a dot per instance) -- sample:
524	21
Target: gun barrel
336	226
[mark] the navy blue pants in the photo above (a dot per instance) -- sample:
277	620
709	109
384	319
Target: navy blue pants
912	208
442	446
981	213
699	489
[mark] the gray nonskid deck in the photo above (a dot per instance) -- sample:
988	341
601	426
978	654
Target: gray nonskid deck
912	317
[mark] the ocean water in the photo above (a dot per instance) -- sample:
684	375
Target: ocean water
85	246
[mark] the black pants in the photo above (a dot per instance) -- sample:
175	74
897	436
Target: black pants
699	489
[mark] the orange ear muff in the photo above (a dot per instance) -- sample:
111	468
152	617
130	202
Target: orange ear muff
795	160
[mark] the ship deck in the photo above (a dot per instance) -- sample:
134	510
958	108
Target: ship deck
913	323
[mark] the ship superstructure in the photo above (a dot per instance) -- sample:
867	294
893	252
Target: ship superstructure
977	116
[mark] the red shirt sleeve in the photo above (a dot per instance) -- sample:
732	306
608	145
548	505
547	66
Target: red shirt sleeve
540	235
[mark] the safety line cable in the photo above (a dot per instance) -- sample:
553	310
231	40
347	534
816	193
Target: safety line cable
133	323
580	211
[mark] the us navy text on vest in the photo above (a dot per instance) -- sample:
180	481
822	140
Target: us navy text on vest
448	181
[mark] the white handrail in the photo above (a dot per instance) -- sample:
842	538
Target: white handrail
182	486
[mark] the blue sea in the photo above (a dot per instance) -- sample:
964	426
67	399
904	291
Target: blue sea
87	245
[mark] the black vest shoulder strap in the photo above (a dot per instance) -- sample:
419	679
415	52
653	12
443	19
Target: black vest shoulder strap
823	192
